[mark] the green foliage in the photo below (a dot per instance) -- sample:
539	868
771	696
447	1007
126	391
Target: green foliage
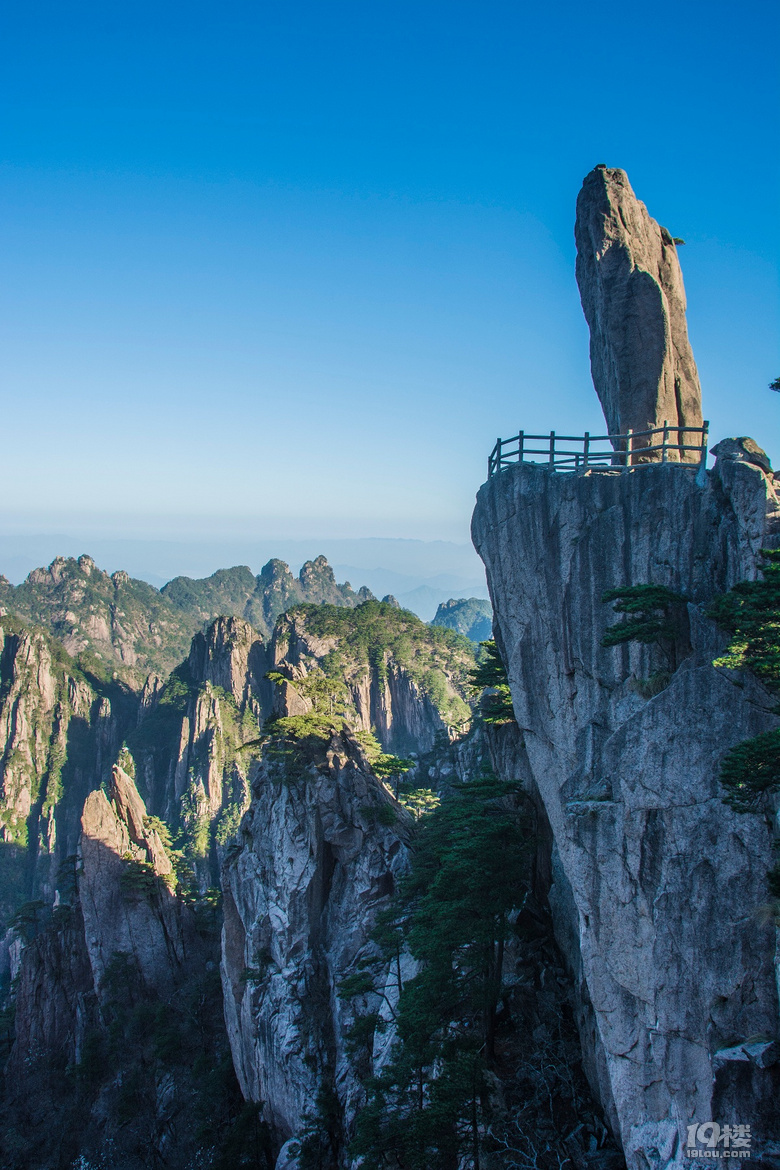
469	869
750	612
126	762
419	801
751	770
658	617
384	765
489	678
53	781
26	922
196	824
138	879
774	384
296	743
322	1134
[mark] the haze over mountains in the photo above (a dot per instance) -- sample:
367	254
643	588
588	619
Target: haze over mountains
420	574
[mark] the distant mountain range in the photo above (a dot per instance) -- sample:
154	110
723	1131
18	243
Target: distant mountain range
421	574
121	626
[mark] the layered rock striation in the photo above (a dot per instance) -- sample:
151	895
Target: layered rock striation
656	882
633	298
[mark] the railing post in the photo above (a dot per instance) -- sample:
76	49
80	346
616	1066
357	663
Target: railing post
552	449
585	446
520	446
701	474
666	439
629	434
498	454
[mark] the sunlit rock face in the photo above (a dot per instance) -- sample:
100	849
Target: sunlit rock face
319	854
633	298
656	882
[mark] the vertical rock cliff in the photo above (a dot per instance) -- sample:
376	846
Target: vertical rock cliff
656	883
126	888
319	854
634	302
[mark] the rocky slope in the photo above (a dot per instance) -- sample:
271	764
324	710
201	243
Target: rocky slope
116	625
193	746
633	297
120	1055
656	882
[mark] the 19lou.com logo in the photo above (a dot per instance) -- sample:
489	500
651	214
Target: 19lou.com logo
709	1139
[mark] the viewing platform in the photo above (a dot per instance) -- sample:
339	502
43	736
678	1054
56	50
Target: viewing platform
666	444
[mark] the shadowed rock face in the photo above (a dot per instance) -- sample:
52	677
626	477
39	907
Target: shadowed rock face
633	298
145	923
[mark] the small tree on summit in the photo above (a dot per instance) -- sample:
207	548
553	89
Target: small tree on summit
775	385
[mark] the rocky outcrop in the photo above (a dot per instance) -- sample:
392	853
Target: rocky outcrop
320	853
655	881
118	624
412	700
231	655
633	298
126	888
55	1004
120	1054
193	746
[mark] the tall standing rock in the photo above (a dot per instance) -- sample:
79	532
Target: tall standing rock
633	298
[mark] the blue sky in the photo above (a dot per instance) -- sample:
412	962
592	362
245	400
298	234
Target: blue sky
288	269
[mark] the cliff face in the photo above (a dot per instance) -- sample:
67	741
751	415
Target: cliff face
189	745
633	297
391	672
59	735
125	888
320	852
655	880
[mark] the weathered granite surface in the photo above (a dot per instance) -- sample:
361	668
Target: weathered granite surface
656	881
633	298
317	861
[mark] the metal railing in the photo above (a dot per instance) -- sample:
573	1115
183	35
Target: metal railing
602	452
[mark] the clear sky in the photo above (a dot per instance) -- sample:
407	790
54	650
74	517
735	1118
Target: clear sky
289	268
